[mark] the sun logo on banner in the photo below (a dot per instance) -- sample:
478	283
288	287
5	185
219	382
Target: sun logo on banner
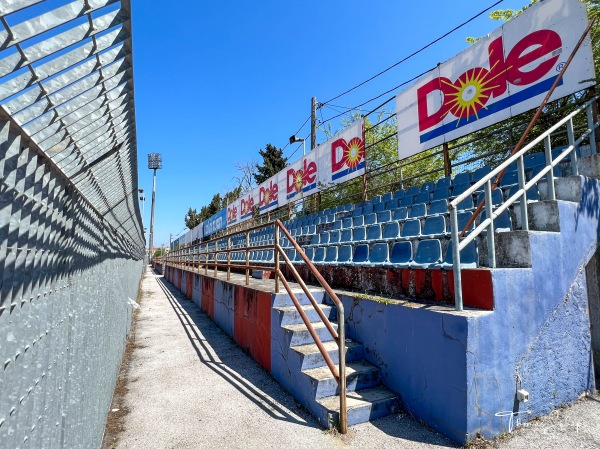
298	180
267	196
471	91
354	152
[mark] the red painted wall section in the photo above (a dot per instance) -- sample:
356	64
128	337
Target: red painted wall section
208	297
189	285
179	277
252	324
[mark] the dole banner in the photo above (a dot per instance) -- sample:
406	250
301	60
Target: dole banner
502	75
300	178
342	157
268	194
233	213
247	203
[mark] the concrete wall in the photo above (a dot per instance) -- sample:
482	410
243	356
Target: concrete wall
538	337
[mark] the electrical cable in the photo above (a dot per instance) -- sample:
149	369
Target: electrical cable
414	53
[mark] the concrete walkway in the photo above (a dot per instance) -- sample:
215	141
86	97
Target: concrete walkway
188	385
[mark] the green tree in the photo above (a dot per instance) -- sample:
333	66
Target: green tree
192	219
231	196
273	163
215	205
159	252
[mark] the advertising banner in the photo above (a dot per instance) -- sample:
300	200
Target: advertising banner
501	75
301	177
342	157
233	213
215	223
268	194
247	203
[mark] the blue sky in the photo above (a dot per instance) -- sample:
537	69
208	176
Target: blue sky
217	81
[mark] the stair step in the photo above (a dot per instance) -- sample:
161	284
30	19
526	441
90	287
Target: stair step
301	336
283	299
290	315
314	359
359	375
363	405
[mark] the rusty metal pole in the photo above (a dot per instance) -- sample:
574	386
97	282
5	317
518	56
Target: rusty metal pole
447	163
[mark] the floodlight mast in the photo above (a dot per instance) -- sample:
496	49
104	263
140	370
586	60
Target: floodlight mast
154	163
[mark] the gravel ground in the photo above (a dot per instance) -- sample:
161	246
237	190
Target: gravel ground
188	385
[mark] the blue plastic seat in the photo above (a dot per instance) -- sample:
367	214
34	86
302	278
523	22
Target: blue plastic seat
497	198
441	193
358	210
346	222
510	178
502	223
418	210
324	238
412	191
319	255
438	207
384	217
466	204
401	255
358	221
533	194
379	207
427	187
423	197
399	194
310	252
344	256
428	254
463	218
407	201
359	234
460	188
400	214
538	168
387	197
337	225
379	254
411	229
331	255
469	256
531	160
391	204
391	231
434	228
481	173
361	254
334	237
315	240
367	209
346	236
374	232
443	183
348	207
329	218
376	200
298	259
462	178
370	219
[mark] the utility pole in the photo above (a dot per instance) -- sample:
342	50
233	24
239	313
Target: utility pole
313	124
154	163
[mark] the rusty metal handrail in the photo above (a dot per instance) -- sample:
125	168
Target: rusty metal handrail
191	257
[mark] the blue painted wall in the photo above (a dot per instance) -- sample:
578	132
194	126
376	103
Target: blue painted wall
224	305
538	335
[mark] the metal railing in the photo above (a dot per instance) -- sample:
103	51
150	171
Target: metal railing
204	256
521	194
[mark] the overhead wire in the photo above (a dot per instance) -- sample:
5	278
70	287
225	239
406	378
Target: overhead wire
415	52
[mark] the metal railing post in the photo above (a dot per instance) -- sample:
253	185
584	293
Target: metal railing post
276	256
590	124
456	259
523	205
489	210
550	176
342	368
247	258
571	137
228	258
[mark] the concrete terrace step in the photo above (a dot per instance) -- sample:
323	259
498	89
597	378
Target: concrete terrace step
359	375
363	405
301	336
282	299
312	357
290	315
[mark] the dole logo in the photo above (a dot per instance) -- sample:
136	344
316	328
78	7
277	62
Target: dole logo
231	214
527	62
297	180
268	194
350	158
247	205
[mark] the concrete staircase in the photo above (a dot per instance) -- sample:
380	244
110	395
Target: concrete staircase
310	379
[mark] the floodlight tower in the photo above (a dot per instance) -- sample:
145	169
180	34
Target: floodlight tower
154	163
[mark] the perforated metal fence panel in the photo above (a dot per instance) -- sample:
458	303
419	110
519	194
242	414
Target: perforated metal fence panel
71	239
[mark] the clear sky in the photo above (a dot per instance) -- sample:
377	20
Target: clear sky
216	81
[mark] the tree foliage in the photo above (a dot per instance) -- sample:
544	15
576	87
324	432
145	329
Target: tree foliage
273	163
192	218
